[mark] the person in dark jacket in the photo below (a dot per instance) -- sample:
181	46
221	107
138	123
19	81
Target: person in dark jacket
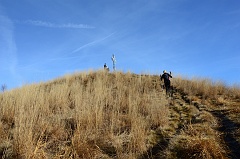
166	79
105	67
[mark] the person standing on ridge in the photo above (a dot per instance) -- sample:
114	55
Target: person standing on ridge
106	67
114	62
166	79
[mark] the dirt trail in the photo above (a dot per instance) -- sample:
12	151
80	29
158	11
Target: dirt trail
179	116
228	129
182	114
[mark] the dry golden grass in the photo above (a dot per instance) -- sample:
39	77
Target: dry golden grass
206	88
197	142
97	114
216	97
86	115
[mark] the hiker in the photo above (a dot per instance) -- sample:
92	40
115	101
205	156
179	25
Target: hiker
166	79
106	67
114	62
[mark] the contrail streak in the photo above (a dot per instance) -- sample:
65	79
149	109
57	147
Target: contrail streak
54	25
91	43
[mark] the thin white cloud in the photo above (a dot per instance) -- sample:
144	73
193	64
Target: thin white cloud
91	43
54	25
66	56
8	45
8	49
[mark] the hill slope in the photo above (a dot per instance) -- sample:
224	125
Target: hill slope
119	115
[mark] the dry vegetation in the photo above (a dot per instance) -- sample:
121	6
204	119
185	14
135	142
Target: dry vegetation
218	108
87	115
116	115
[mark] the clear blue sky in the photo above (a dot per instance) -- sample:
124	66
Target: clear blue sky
44	39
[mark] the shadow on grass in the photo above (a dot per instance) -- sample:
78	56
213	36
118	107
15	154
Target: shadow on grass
156	152
227	128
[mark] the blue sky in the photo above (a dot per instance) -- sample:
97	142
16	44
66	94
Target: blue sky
45	39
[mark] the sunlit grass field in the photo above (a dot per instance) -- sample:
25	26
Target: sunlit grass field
100	114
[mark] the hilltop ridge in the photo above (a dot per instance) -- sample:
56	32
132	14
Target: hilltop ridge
100	114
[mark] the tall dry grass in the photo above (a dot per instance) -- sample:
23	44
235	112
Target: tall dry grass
202	140
98	114
197	141
206	88
85	115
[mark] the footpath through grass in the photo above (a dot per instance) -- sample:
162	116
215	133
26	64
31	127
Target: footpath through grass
119	115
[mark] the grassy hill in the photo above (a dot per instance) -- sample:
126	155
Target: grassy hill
120	115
